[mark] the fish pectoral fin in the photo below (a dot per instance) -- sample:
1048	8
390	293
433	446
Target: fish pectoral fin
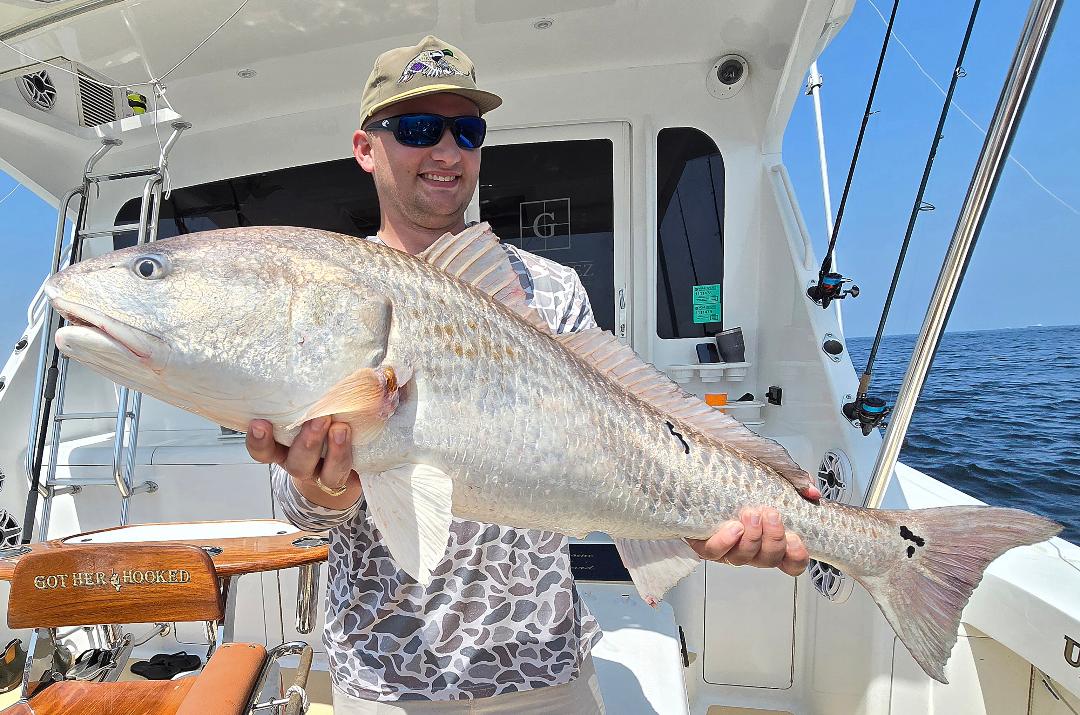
365	399
656	566
411	507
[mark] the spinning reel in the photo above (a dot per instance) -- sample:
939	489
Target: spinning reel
867	413
830	287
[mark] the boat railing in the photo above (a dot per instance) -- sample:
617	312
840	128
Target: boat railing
52	375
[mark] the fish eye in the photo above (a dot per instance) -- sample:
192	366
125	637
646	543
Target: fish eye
150	267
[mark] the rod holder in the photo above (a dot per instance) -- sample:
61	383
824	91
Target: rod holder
307	597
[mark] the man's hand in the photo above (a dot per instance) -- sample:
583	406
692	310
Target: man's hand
304	460
757	539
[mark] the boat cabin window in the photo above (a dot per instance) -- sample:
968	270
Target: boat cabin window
552	198
556	199
332	196
690	234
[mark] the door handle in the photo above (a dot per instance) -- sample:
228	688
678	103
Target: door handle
622	313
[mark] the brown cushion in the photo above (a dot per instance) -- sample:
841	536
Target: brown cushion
76	697
223	688
226	683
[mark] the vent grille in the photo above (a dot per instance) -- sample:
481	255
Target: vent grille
834	475
38	89
834	481
828	580
10	531
97	102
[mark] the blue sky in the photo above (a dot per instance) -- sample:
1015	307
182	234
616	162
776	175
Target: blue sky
1024	269
1025	264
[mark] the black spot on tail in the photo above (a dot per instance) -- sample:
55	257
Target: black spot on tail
909	535
910	551
684	444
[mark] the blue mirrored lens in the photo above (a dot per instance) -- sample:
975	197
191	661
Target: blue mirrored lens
420	129
470	132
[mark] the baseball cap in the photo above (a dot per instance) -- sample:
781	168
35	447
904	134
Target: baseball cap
427	67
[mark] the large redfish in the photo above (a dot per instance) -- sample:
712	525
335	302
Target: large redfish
463	403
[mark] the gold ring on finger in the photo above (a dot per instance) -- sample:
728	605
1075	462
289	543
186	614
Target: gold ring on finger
332	492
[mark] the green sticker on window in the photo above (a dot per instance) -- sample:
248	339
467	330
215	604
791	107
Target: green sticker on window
707	303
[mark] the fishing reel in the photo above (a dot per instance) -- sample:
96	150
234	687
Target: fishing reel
867	413
830	287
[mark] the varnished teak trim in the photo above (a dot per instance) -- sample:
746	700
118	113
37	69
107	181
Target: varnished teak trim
240	555
113	583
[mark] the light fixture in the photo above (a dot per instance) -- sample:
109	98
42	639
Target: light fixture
543	23
246	73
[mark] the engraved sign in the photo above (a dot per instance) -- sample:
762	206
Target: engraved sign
1072	652
100	579
545	225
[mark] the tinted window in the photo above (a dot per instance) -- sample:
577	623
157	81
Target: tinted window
333	196
690	235
555	199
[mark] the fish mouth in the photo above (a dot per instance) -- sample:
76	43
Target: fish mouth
91	329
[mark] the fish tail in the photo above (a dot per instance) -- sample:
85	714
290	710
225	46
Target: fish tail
943	555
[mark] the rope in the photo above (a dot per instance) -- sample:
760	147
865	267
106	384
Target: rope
11	193
918	206
974	123
826	263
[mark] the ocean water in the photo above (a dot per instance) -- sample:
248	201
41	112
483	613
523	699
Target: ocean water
999	417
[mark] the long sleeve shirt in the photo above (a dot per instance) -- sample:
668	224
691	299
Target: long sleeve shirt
501	613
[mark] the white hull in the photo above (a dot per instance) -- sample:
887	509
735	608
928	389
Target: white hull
753	639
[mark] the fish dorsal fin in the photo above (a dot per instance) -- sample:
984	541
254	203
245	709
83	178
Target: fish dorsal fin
476	257
603	351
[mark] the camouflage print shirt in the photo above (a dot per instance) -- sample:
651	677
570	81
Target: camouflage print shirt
501	613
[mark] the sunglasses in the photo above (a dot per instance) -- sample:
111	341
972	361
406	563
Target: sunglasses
420	130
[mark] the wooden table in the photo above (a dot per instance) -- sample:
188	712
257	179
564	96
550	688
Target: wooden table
270	545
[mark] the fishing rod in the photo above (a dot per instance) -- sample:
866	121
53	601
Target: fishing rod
866	411
49	360
830	284
1015	92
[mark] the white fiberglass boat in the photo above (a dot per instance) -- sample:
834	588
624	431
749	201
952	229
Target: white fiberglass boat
639	143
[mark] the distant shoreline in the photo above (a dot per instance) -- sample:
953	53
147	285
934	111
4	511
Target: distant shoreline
967	332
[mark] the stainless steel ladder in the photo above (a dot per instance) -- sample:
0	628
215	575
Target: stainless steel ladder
52	372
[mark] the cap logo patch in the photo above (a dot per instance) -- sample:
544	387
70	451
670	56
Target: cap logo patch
430	63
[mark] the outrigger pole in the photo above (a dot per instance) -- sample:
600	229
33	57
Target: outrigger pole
995	152
813	88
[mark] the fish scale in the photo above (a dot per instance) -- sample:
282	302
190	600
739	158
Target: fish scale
462	403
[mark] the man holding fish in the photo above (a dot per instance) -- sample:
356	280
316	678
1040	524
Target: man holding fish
475	392
500	628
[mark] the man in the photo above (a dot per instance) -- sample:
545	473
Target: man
501	627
